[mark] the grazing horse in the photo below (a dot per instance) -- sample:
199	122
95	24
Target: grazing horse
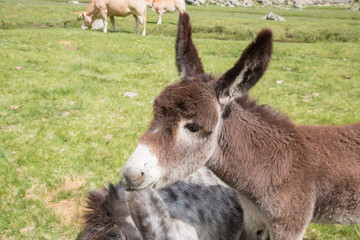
199	207
286	175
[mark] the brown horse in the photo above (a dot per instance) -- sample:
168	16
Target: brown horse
286	175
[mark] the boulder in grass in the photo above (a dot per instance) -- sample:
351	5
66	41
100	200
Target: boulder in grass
272	16
298	6
97	24
131	94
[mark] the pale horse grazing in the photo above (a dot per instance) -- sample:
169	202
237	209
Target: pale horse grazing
286	175
101	9
164	6
199	207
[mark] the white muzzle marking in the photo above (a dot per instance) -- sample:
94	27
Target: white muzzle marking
142	169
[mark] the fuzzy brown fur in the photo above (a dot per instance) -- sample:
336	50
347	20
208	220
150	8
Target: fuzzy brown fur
287	175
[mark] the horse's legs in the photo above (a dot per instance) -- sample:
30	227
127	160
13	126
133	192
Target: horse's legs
112	18
160	17
103	13
137	23
144	24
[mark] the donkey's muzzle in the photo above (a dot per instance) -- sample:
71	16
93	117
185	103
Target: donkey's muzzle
133	179
141	169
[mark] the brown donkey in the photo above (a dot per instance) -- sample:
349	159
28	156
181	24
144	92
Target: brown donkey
286	175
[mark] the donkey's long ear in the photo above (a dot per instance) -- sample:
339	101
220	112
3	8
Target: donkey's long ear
247	71
187	58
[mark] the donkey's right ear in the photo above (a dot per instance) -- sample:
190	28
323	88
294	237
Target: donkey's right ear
187	58
247	71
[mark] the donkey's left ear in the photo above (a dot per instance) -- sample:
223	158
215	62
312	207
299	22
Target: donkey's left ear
247	71
188	61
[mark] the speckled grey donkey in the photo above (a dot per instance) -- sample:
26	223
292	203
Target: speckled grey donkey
199	207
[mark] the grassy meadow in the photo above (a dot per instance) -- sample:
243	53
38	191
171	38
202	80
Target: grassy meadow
66	126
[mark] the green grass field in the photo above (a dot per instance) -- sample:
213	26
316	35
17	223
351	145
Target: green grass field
67	128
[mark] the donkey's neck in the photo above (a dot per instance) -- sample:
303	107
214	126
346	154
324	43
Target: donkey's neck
257	142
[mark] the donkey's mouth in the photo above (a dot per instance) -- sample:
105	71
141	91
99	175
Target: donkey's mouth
131	188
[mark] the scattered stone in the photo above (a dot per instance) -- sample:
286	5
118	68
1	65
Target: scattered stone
279	81
272	16
18	68
264	2
97	24
77	3
355	8
247	3
299	4
131	94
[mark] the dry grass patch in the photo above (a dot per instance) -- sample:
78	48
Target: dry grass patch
68	209
28	230
62	200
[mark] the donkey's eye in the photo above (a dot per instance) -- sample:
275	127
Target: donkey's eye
193	127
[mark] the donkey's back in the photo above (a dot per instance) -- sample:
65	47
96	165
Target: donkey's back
335	161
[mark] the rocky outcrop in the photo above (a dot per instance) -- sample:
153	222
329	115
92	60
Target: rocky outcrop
250	3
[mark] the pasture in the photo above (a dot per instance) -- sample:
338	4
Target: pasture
67	126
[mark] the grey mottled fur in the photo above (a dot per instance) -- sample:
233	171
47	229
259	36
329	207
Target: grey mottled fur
199	207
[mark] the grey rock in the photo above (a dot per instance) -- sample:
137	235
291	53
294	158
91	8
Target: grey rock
354	8
299	4
131	94
264	2
272	16
97	24
190	2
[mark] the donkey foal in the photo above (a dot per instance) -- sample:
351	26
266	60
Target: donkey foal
286	175
199	207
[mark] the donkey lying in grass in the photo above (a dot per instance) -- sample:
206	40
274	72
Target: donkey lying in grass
200	207
286	175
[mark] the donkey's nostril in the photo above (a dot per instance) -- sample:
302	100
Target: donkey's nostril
133	178
140	179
